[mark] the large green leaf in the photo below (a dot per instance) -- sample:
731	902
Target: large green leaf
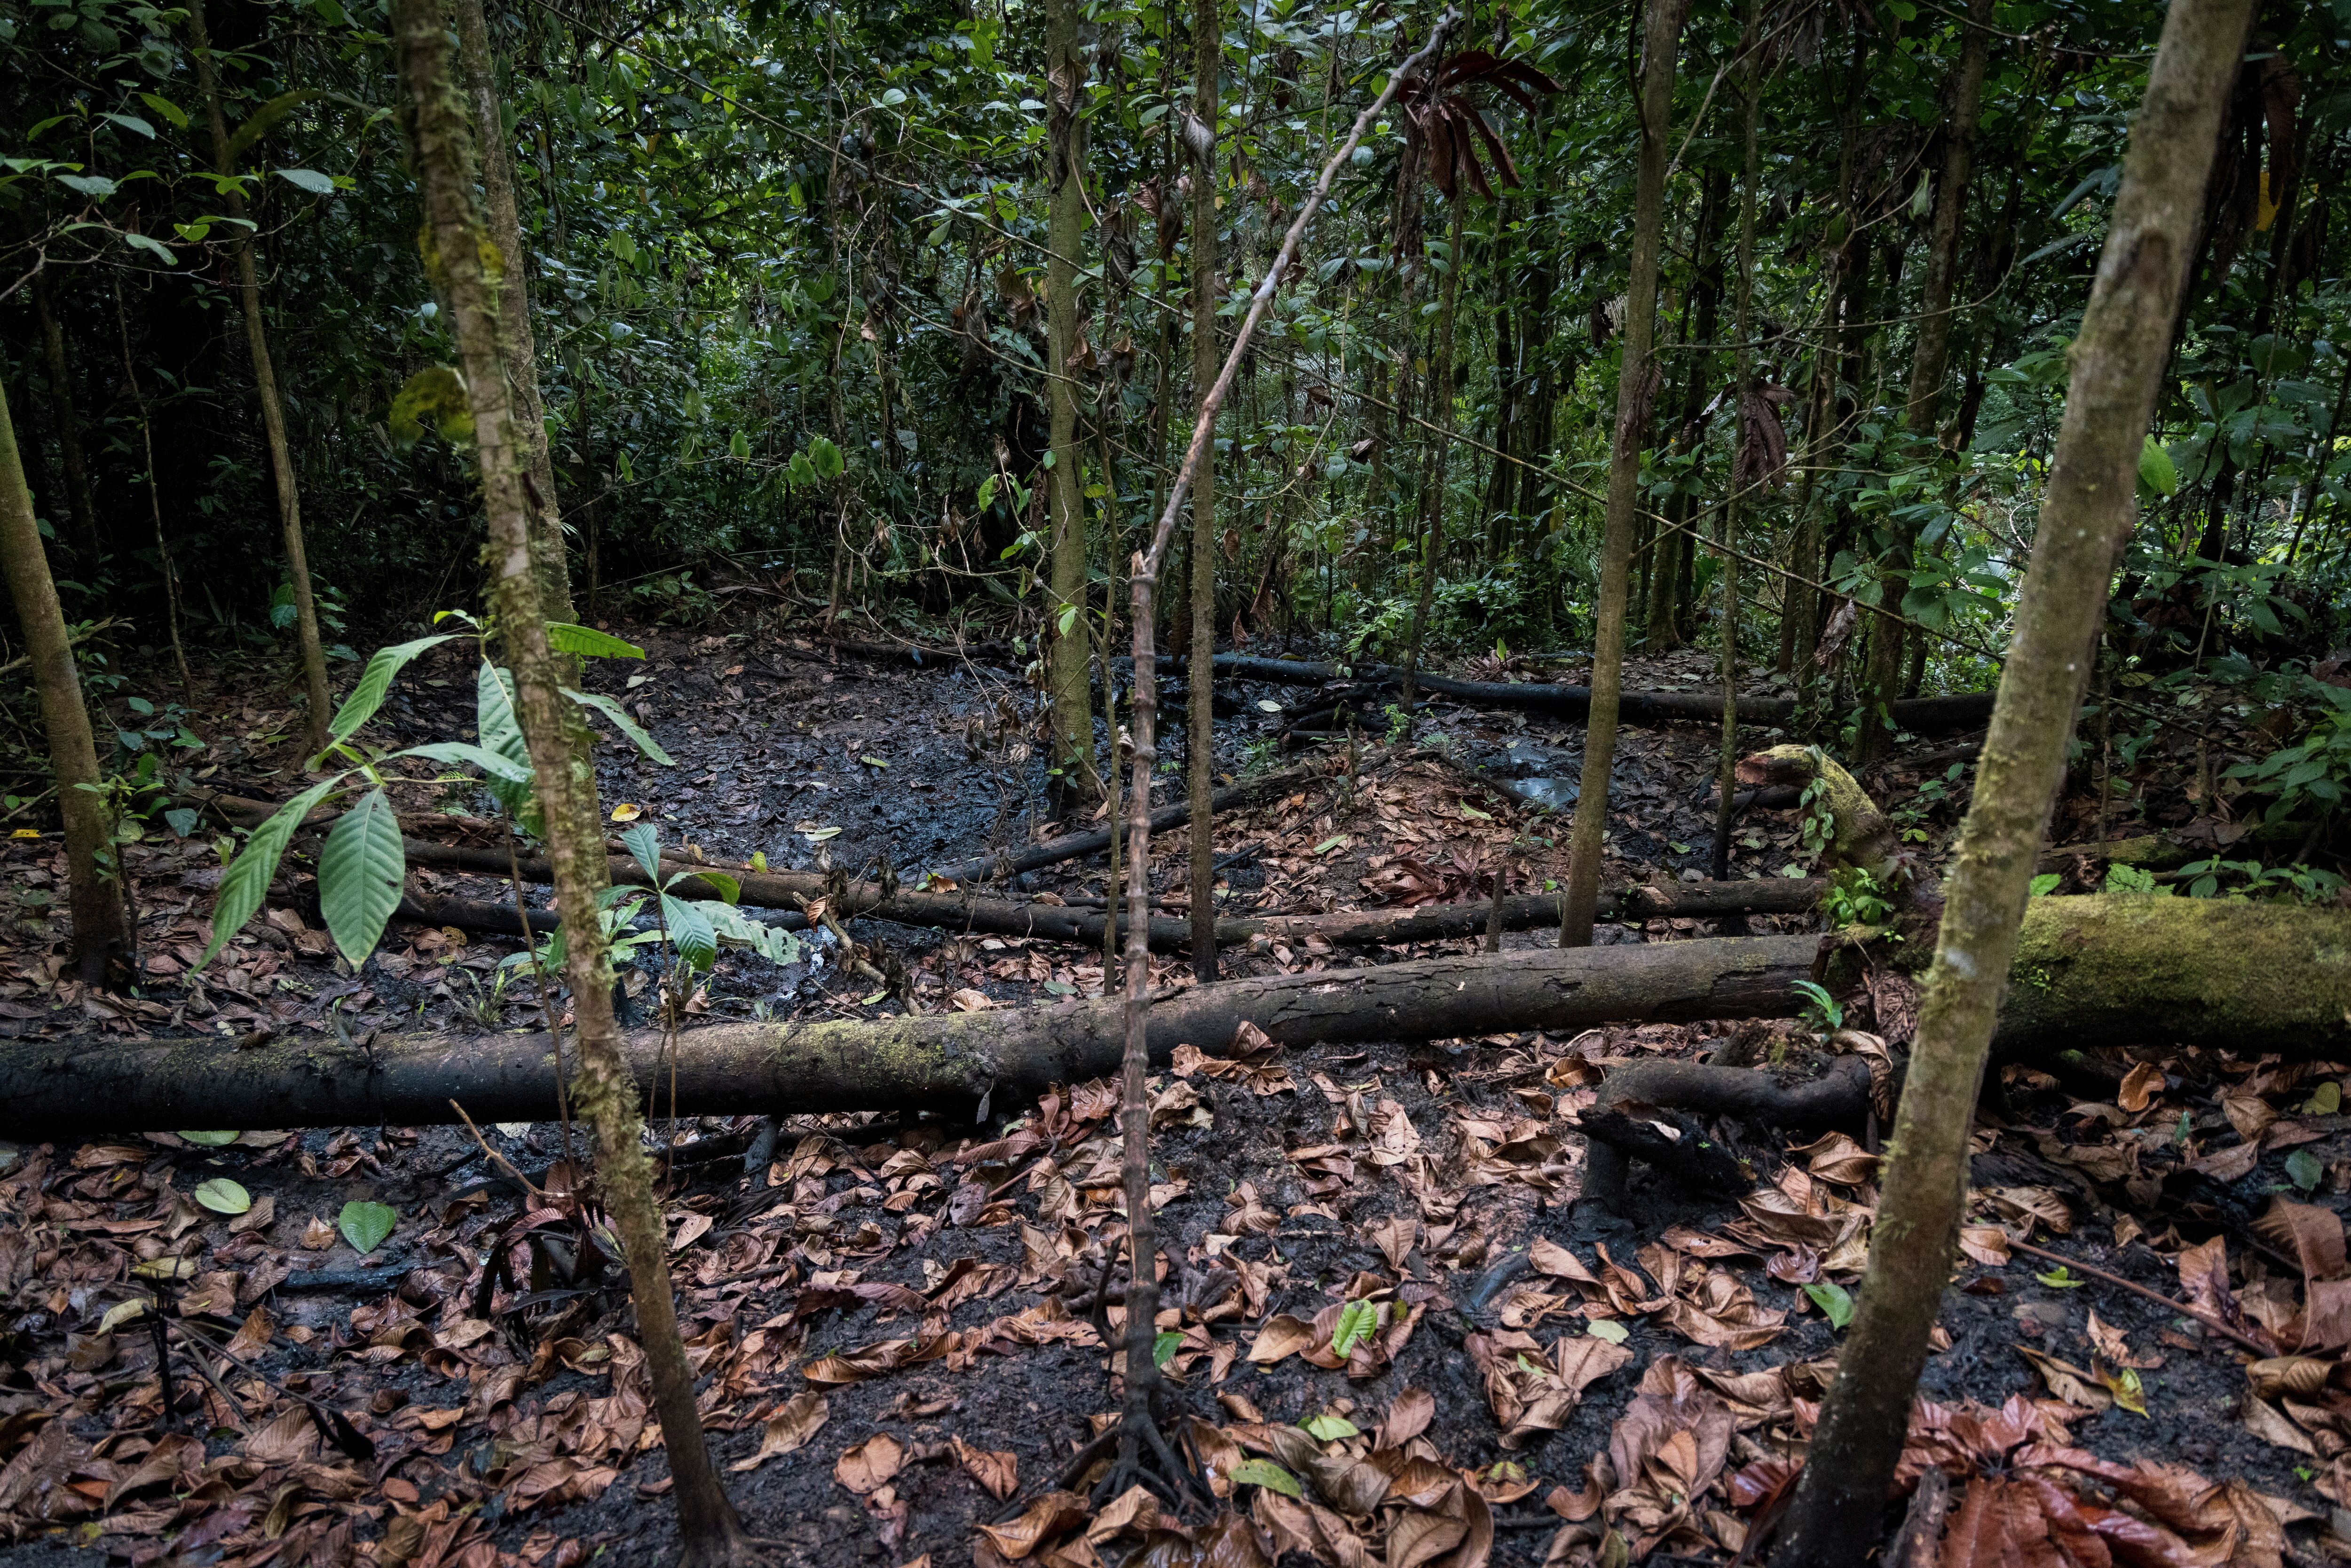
258	123
374	681
366	1225
245	883
359	874
612	710
465	752
690	932
587	643
645	842
501	732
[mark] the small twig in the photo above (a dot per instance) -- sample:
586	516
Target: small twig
497	1158
2201	1316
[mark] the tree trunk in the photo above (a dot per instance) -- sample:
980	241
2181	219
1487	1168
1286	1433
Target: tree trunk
99	930
81	508
264	379
2114	968
1726	770
1931	358
458	255
1441	400
516	346
2085	515
1199	735
1635	390
1069	656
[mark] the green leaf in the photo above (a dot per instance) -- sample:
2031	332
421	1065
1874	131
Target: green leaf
644	843
501	733
368	692
2305	1170
359	873
2061	1278
456	752
245	883
2324	1100
258	124
207	1140
1608	1329
1329	1428
2046	884
1164	1348
628	726
690	932
366	1225
155	246
826	458
729	890
223	1195
167	108
2155	469
1835	1303
587	643
310	180
1266	1474
1358	1321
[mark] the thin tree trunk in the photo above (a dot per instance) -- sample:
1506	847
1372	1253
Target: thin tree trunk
1931	357
81	508
1635	390
2086	516
604	1089
515	344
265	381
155	501
1200	734
1440	382
1675	547
1725	769
100	931
1071	635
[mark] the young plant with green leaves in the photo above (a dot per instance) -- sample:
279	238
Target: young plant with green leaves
362	865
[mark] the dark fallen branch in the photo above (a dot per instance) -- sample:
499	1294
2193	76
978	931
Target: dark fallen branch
1920	714
1623	1123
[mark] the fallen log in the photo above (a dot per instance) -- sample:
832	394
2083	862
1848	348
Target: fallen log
2136	970
955	1063
1066	923
1961	710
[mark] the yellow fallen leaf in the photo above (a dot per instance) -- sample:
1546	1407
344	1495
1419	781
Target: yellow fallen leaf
627	811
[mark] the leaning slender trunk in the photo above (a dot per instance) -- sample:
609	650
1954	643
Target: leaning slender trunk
1742	375
81	508
1070	638
2085	515
155	502
515	344
99	928
1635	391
460	261
264	382
1200	734
1432	532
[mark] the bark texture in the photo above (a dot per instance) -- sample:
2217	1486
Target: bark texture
1636	390
100	931
461	262
1068	653
2087	512
264	382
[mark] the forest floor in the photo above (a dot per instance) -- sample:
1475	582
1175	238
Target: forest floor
896	1320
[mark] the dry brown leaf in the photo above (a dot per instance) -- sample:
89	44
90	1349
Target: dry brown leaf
870	1464
2300	1375
2263	1421
2066	1381
2314	1235
292	1437
2140	1086
789	1429
999	1473
1282	1337
1054	1514
318	1235
1409	1413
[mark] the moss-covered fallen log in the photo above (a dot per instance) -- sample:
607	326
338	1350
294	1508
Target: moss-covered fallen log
2106	970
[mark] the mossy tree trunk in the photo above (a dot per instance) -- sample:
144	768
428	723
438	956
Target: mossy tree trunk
2117	365
1071	636
99	930
1635	391
517	345
465	266
265	381
1199	733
